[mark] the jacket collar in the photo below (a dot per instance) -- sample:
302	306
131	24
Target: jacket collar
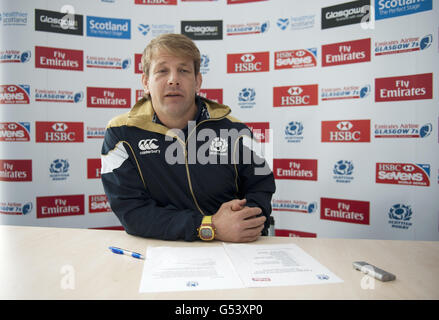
142	114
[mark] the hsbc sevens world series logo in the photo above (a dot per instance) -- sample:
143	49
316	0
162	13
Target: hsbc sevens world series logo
403	174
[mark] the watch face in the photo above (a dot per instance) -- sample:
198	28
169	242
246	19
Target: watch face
206	233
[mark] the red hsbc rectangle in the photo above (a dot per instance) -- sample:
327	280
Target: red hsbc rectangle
57	58
294	96
248	62
94	168
295	169
212	94
342	210
48	131
60	206
15	170
138	63
412	87
156	2
346	52
108	97
346	131
260	130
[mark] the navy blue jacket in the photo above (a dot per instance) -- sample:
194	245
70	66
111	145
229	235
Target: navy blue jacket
161	182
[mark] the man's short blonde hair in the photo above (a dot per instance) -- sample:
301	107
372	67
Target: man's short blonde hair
175	44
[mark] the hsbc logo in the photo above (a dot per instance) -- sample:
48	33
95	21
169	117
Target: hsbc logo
59	127
344	125
248	58
59	131
294	91
290	96
148	146
346	131
94	168
248	62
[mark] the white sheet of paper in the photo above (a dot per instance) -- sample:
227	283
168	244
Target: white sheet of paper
187	269
277	265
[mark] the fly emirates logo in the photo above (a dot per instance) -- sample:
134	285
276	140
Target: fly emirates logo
56	58
346	52
295	169
57	206
341	210
412	87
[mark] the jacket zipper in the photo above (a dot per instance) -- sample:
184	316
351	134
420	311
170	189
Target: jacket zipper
186	160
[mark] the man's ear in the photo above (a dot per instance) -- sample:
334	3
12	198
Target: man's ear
145	83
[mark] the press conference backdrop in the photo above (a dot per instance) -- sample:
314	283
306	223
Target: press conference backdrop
342	96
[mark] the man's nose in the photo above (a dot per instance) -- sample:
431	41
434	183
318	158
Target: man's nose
174	78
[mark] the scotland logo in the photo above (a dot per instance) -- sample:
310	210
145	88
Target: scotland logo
294	131
343	170
144	29
59	169
283	23
400	215
246	98
218	146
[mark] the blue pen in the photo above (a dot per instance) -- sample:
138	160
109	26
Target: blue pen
127	252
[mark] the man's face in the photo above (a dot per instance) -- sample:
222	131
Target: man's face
172	85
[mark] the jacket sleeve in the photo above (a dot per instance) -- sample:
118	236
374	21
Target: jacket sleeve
130	199
255	178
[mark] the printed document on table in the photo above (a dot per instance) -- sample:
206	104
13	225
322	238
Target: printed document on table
277	265
187	269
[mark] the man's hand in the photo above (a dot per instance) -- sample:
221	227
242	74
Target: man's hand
234	222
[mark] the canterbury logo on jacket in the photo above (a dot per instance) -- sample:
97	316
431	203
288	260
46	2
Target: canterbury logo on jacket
161	182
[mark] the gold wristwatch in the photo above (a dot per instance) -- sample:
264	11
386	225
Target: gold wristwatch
206	231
